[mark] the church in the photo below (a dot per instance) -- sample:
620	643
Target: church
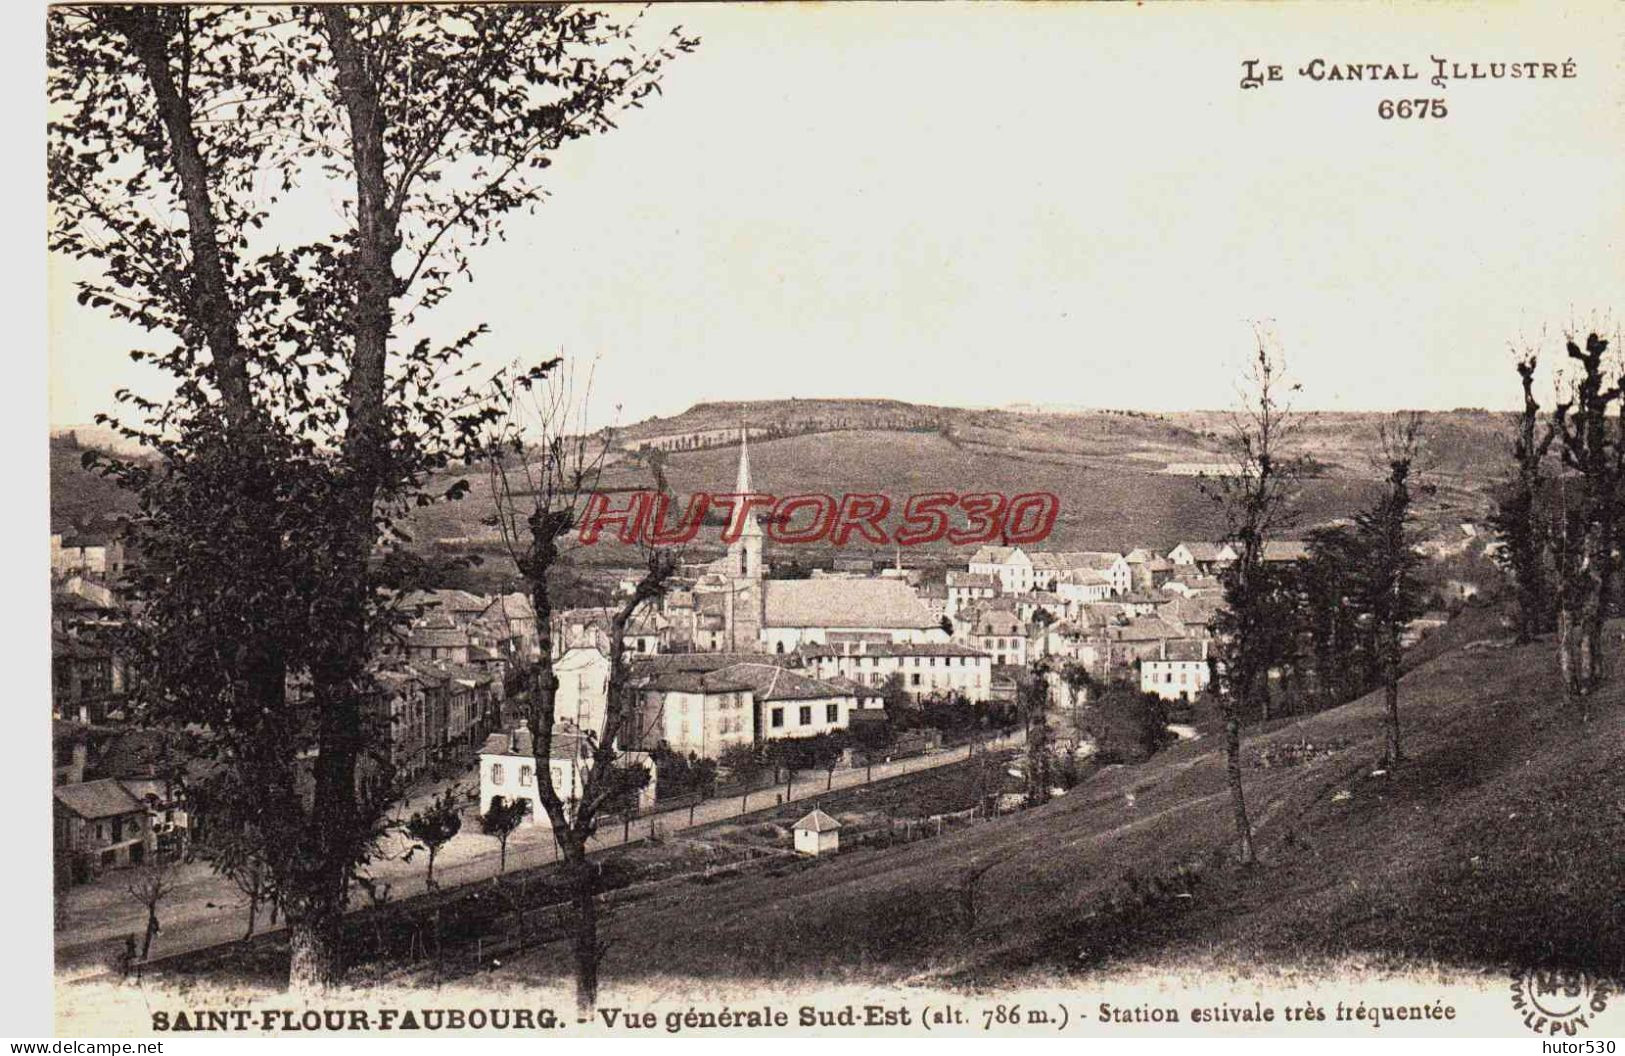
740	610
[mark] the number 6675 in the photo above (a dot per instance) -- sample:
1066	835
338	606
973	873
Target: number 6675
1409	108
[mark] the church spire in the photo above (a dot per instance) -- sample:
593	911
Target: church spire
742	485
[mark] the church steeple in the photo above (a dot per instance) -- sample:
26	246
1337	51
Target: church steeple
742	487
745	554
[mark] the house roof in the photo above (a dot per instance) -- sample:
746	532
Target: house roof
992	555
889	603
646	665
1184	649
771	683
1084	577
1201	551
520	742
1148	629
91	800
1099	560
692	682
437	638
817	821
997	622
972	579
857	689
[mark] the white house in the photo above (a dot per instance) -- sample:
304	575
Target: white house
1205	557
1010	565
508	770
1082	586
1178	671
966	588
817	833
699	712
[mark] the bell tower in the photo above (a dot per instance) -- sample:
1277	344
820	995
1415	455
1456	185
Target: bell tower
745	553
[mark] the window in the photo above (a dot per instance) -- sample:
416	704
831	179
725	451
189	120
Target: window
525	775
832	713
806	715
914	679
778	717
496	773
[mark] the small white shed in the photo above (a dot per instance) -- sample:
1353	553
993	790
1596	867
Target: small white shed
817	833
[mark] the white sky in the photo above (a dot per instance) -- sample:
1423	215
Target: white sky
1068	205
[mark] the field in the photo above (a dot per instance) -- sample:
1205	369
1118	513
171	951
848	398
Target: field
1496	843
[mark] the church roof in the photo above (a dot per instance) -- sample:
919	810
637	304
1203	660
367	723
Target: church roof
880	603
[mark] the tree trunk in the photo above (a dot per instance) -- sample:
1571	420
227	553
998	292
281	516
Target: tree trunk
428	882
1232	756
584	943
1391	692
152	929
253	912
314	962
502	856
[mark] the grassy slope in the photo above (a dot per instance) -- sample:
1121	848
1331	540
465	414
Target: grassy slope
1105	466
1498	843
1104	504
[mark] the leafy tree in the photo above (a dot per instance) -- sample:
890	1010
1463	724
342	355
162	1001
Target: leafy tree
434	826
1033	698
1339	640
1389	593
302	424
902	711
1256	501
240	857
743	761
500	821
1127	726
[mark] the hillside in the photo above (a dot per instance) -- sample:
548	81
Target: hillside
1495	844
1108	467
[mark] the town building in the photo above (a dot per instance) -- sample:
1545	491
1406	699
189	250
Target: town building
98	825
508	770
1179	670
926	669
1206	558
739	610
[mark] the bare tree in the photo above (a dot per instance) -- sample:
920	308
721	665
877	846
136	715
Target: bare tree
1593	451
1390	593
149	886
1519	518
1256	496
545	468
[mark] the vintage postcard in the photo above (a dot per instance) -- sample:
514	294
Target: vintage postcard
853	519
